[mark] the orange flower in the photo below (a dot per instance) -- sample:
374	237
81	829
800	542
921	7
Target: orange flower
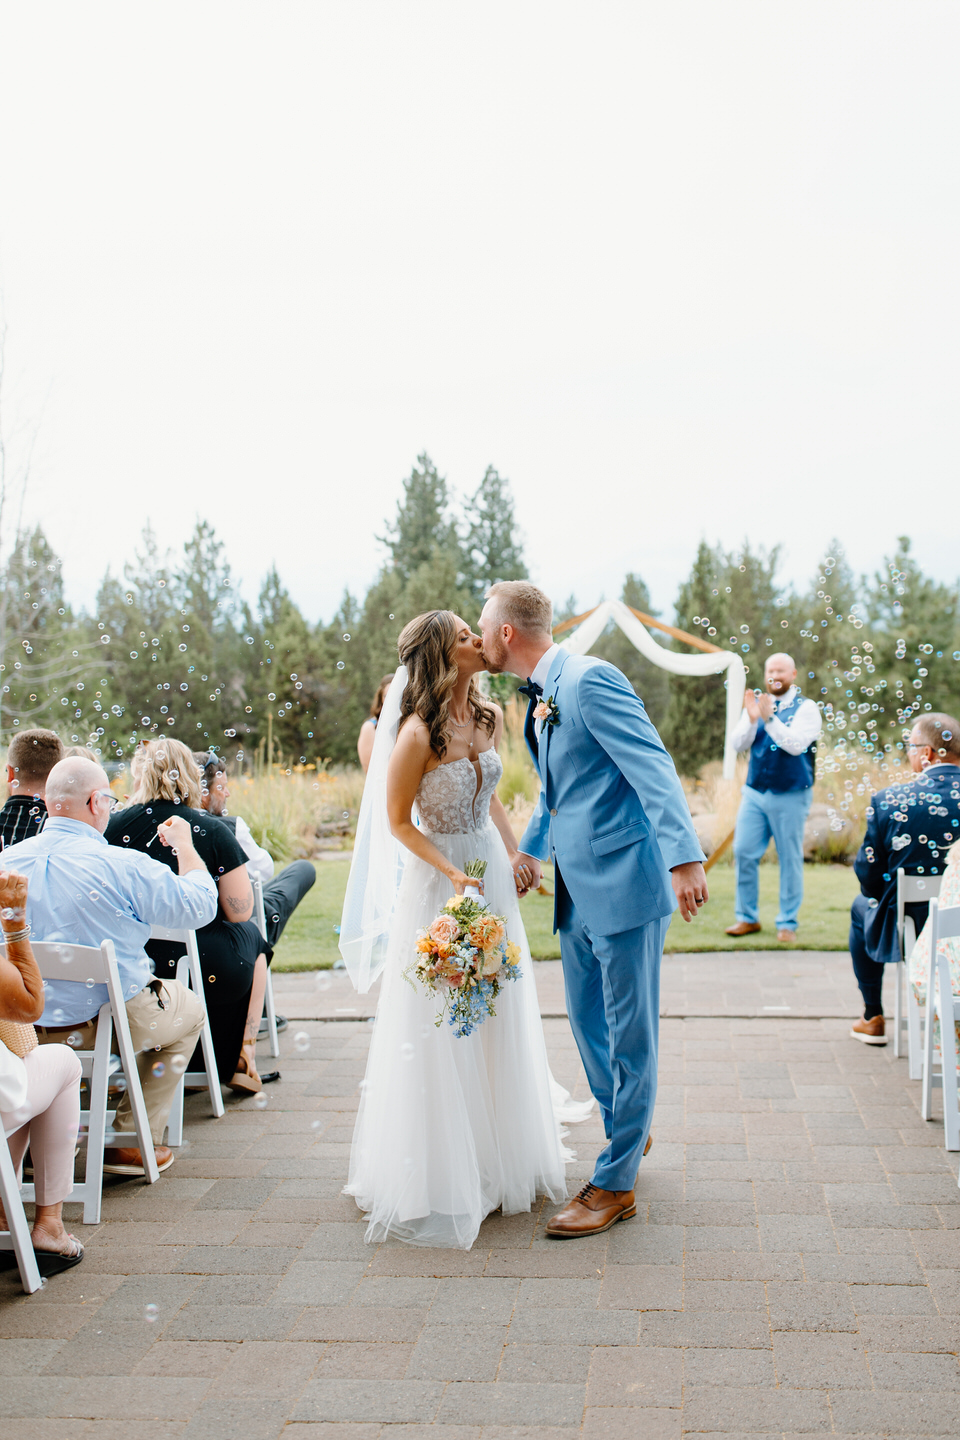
486	932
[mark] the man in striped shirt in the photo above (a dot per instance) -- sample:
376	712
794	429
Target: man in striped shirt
30	758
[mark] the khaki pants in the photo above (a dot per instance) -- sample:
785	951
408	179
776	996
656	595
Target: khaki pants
165	1021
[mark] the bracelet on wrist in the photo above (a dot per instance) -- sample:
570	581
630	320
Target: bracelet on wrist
10	936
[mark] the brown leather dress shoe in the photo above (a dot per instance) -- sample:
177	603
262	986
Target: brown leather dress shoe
127	1160
871	1032
786	937
591	1212
743	927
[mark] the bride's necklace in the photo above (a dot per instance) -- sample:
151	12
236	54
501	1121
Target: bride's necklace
457	725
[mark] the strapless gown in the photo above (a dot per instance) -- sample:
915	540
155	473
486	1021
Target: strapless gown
448	1130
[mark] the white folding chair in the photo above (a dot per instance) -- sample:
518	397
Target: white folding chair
17	1238
942	1003
911	889
259	915
190	974
93	966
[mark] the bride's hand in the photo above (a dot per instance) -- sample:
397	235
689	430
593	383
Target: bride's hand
460	881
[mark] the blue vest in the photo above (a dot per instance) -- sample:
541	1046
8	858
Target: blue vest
772	768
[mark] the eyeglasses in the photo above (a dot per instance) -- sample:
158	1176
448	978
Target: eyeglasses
109	796
913	745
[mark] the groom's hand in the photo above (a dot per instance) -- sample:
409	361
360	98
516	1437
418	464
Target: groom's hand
527	872
690	888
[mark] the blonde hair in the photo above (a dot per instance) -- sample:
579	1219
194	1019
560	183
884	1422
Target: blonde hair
523	606
165	770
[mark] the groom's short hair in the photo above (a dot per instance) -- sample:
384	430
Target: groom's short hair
523	606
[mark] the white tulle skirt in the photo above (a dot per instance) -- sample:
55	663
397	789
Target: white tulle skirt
448	1129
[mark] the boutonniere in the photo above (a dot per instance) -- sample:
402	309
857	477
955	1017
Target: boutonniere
546	712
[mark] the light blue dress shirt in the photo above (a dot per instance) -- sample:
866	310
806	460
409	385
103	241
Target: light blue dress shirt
83	891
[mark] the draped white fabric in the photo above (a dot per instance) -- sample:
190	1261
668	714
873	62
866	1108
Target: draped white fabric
579	641
378	858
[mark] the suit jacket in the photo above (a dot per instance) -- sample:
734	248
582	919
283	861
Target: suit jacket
612	813
910	827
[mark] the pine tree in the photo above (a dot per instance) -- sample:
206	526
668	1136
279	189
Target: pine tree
47	662
696	718
492	547
422	523
915	629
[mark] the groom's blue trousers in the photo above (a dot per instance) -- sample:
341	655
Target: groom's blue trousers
612	985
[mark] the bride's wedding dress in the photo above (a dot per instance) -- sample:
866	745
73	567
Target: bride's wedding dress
448	1129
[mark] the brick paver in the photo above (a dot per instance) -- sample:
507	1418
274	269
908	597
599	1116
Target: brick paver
794	1268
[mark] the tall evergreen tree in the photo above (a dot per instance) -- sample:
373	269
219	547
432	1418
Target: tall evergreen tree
915	628
45	666
492	547
695	723
422	523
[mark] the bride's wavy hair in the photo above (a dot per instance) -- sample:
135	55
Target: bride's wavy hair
428	648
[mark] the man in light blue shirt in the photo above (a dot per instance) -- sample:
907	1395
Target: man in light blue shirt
83	891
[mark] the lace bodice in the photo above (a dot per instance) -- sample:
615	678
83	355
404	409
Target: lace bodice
451	800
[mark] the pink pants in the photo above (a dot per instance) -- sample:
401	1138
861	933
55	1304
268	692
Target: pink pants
49	1121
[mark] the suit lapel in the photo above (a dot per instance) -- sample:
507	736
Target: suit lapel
550	693
530	732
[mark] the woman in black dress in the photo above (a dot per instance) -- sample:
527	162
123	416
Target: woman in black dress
233	953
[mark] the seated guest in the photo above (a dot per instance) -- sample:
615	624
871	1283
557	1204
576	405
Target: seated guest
82	892
281	894
368	729
918	963
233	953
910	827
30	758
39	1088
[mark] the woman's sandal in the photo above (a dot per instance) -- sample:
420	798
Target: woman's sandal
246	1081
52	1262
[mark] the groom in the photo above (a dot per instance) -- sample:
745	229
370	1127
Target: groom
613	818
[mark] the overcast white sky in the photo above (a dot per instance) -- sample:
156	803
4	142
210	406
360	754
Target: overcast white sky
677	269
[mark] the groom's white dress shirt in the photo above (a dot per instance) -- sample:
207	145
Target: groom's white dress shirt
794	738
539	677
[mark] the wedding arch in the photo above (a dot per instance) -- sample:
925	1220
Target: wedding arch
713	661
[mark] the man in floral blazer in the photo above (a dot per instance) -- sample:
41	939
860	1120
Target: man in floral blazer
909	827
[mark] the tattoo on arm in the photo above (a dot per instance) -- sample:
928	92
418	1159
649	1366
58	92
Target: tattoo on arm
232	903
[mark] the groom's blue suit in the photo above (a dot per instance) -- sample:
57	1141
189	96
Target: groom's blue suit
613	818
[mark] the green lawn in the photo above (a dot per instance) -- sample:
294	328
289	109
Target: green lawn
310	941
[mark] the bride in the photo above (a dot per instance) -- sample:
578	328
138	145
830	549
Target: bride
448	1129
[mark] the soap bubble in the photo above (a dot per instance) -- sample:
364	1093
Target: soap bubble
260	1100
150	1313
323	980
316	1124
302	1041
75	1040
178	1064
158	1069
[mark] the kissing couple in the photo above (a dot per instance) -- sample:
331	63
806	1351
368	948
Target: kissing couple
450	1129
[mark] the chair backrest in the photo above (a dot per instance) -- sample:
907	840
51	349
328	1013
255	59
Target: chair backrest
944	924
86	966
259	914
913	890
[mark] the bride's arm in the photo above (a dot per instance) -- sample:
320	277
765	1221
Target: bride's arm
404	773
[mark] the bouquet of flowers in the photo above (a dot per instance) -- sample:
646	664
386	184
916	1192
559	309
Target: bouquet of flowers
464	957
